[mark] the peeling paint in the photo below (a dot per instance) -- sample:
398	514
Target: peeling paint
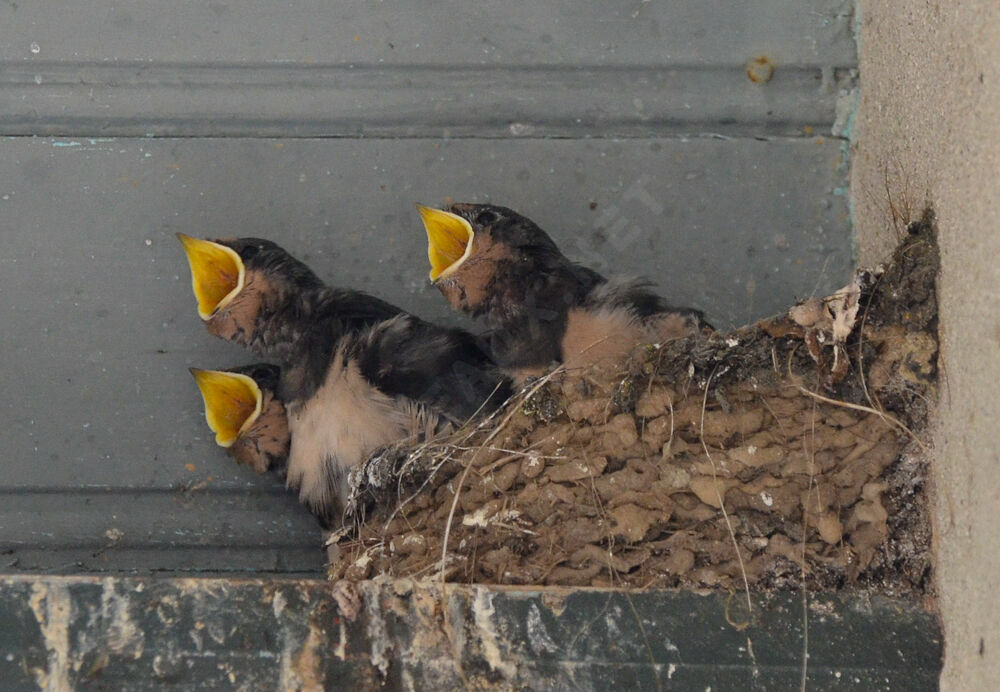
538	635
433	648
51	604
376	630
309	662
340	651
278	605
611	620
122	634
483	612
108	633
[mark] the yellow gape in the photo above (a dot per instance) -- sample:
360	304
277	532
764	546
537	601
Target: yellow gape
232	403
217	273
449	240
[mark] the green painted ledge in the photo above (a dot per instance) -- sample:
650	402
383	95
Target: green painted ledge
132	633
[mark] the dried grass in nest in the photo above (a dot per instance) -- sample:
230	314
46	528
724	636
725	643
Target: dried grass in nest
784	454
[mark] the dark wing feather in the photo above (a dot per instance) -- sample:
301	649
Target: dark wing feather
637	295
445	369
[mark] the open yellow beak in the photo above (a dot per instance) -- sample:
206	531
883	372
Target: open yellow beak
449	240
232	403
217	273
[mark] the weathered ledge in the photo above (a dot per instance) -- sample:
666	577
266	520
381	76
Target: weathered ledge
114	633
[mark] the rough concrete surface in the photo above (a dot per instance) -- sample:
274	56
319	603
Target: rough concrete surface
928	130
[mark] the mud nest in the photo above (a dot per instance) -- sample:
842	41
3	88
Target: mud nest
786	453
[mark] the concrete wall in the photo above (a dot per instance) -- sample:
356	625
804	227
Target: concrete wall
929	124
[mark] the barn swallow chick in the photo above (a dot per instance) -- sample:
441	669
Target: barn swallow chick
356	372
252	292
541	308
242	408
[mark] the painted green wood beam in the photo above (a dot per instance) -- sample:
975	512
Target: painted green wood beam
113	633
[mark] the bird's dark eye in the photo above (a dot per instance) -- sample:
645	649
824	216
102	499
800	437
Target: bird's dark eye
250	251
486	217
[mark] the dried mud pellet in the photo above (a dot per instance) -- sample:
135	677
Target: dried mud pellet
623	428
784	409
653	403
830	529
444	493
819	496
538	511
762	482
554	492
679	561
709	576
880	457
782	500
676	447
582	435
870	510
531	465
779	544
752	455
699	513
359	569
848	475
528	494
484	456
725	425
576	533
672	478
633	523
612	484
847	496
590	555
656	500
865	540
471	499
410	544
503	478
569	576
656	431
575	470
840	417
766	438
710	490
843	438
549	435
592	410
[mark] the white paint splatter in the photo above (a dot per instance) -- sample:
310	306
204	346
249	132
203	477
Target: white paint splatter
376	630
483	612
538	635
35	48
122	634
340	651
52	608
279	604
